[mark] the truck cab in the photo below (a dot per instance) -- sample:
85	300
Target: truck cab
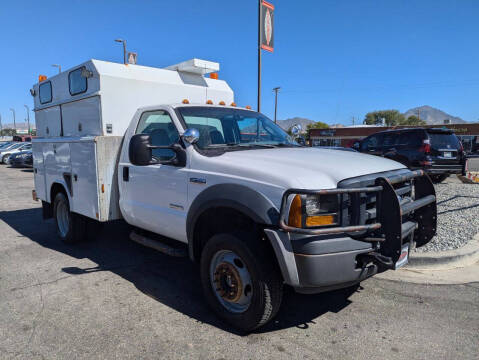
168	151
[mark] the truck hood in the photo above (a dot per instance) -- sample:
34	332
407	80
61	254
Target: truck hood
309	168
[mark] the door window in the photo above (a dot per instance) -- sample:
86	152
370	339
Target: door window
159	125
390	140
371	143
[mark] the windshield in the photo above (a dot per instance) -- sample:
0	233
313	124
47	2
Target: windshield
233	128
444	141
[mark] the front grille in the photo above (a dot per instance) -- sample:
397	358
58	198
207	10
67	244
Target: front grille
361	209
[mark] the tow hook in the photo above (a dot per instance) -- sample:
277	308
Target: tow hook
376	258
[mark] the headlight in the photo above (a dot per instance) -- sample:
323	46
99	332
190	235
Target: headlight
314	211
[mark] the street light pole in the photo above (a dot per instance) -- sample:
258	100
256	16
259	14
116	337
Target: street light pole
14	122
28	118
276	89
1	128
58	66
124	48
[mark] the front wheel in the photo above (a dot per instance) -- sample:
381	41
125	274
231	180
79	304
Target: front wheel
70	226
4	158
241	280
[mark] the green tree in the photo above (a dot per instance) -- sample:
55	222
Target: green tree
391	118
317	125
413	120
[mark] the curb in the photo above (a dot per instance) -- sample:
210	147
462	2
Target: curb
442	260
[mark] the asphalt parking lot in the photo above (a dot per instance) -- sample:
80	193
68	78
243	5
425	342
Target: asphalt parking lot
112	298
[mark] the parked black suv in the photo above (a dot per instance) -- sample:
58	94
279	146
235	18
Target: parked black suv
438	151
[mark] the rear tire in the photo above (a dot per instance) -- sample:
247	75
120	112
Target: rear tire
244	287
71	227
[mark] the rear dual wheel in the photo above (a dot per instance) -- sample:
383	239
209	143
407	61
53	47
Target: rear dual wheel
241	280
71	227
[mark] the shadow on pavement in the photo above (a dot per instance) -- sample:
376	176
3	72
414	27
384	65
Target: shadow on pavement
172	281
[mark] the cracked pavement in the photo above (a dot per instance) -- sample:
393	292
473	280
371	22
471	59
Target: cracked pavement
112	298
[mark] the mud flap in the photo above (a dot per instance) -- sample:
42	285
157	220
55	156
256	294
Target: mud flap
426	217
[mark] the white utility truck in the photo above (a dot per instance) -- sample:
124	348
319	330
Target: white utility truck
168	151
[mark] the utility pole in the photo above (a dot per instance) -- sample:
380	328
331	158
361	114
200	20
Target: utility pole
418	117
28	118
353	120
276	89
14	122
259	55
1	128
124	48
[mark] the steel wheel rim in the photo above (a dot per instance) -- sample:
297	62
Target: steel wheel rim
63	219
231	281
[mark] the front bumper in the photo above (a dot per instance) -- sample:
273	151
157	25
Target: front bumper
319	263
321	259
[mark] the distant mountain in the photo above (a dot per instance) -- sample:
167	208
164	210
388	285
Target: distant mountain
433	116
288	123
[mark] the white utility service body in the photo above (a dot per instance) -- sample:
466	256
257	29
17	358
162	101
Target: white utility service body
80	136
235	188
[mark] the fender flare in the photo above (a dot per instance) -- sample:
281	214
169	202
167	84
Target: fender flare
238	197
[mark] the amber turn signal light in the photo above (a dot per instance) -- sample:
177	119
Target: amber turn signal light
295	212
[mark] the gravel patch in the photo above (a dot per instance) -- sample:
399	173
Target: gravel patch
458	215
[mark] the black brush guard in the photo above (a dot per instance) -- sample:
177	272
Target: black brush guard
396	220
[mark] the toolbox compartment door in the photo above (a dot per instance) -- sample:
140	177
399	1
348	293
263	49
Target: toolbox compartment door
84	183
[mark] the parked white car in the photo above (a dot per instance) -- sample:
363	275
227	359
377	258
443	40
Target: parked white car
13	149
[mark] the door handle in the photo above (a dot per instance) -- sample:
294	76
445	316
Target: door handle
126	173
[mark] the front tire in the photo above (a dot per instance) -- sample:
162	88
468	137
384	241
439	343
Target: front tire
241	281
71	227
4	158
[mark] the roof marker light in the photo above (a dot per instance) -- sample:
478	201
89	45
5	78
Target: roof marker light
233	104
222	103
214	76
42	78
209	102
185	101
248	107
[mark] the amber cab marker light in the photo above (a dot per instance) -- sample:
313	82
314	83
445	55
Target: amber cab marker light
42	78
209	102
248	107
233	104
185	101
221	102
295	212
214	76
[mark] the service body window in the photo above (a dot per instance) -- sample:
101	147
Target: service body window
45	92
77	82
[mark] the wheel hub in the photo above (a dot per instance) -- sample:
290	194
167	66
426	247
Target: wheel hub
231	281
228	282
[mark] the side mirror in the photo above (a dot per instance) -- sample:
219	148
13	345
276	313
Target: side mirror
140	152
191	135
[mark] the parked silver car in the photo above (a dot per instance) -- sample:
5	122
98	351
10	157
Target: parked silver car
12	149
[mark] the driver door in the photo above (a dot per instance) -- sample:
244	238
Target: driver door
156	195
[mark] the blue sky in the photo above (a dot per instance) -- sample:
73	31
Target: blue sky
333	59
